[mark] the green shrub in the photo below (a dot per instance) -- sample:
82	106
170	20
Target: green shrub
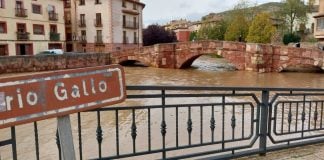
290	37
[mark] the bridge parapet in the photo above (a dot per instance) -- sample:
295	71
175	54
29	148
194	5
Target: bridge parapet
245	56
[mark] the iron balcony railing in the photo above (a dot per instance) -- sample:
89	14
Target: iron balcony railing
97	23
83	39
130	25
213	122
135	40
67	22
98	40
54	36
67	4
21	12
82	23
52	16
23	36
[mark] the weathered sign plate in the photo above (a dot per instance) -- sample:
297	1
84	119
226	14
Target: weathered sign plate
30	98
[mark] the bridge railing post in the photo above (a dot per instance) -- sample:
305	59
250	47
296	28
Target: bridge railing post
264	122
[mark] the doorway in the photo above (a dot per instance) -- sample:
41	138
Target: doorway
24	49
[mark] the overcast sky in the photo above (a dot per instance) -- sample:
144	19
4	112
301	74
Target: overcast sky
162	11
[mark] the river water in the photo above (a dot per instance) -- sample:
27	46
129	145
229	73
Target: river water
205	71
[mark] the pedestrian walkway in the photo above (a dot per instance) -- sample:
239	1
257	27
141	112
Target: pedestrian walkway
311	152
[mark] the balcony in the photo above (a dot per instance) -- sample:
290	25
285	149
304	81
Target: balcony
99	40
97	23
135	40
130	25
67	22
67	4
21	12
82	23
83	39
54	36
125	40
52	16
23	36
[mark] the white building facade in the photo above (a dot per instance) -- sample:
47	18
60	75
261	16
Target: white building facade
29	26
103	25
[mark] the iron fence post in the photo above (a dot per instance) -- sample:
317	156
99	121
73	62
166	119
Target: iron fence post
264	122
14	143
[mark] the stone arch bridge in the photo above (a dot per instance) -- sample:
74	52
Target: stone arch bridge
244	56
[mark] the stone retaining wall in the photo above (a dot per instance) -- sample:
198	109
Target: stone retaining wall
14	64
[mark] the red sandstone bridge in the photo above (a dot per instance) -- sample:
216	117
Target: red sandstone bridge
245	56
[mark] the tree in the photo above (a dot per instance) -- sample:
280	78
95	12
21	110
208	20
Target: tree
215	31
237	29
261	29
155	34
239	21
193	36
293	11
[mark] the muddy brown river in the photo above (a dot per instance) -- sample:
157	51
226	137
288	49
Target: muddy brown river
205	71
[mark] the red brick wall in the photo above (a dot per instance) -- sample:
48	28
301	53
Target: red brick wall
183	36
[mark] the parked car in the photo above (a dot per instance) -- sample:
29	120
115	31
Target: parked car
51	52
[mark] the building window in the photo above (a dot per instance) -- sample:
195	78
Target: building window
134	6
320	24
125	39
53	28
2	3
98	19
21	28
82	20
99	37
135	38
83	37
3	50
82	2
67	4
97	1
124	4
38	29
3	27
37	9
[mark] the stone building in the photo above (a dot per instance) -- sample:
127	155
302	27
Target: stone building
103	25
29	26
319	22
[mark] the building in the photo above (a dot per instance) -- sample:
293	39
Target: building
319	22
29	26
103	25
180	28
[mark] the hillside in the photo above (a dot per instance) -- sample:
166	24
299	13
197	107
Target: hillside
266	7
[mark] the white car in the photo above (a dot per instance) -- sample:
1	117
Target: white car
51	52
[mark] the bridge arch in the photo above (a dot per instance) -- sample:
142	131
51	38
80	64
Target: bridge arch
186	63
131	60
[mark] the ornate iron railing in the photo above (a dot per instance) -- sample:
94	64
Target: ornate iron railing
183	122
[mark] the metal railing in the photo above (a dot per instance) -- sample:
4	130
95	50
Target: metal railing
21	12
82	23
130	24
183	122
55	36
98	40
97	23
52	16
83	39
23	36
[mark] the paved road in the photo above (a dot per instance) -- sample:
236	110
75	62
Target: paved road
313	152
